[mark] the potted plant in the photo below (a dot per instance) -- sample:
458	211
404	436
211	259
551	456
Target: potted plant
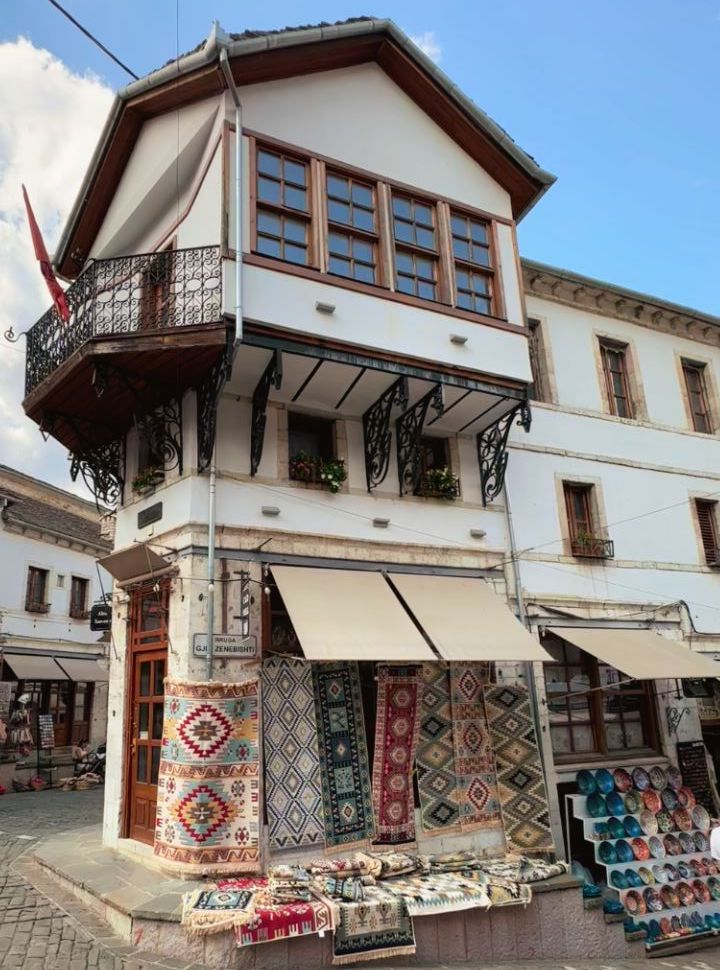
332	473
145	481
328	472
439	483
304	467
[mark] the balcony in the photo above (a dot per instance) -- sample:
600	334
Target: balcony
592	547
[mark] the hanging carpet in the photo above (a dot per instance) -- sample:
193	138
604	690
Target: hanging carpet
396	735
207	807
374	929
435	760
344	764
293	789
521	784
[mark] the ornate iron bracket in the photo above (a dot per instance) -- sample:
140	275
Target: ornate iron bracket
208	394
272	377
409	429
492	449
101	465
377	434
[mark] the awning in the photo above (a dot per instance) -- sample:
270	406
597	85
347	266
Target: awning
641	654
30	666
348	614
134	561
83	669
465	619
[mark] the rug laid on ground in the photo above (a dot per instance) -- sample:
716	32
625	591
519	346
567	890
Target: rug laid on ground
285	921
218	909
376	928
396	735
521	783
435	759
207	808
293	789
438	893
344	763
474	761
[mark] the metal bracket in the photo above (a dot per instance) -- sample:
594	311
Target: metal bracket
208	394
492	449
271	377
377	434
409	429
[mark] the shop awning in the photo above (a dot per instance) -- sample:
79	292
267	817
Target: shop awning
465	619
28	666
348	614
133	562
83	669
641	654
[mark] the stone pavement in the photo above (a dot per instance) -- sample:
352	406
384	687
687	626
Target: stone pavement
44	927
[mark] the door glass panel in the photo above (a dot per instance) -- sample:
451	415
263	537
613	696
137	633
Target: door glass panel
159	688
150	614
143	726
142	764
145	678
155	766
157	722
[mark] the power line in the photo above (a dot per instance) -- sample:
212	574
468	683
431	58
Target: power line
94	39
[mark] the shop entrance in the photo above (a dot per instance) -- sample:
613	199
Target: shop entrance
147	666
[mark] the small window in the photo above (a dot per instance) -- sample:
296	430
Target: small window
614	358
585	540
352	228
310	443
149	455
283	207
60	581
537	390
436	478
473	263
697	396
78	598
36	593
415	233
707	522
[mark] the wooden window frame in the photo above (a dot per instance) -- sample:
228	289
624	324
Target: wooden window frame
282	211
608	347
415	250
537	391
698	369
589	543
707	509
79	611
36	598
371	237
470	266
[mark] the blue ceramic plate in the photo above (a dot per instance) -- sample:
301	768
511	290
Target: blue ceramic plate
669	799
596	806
660	874
632	827
608	855
604	781
624	851
615	804
672	872
633	879
619	880
586	782
641	779
616	828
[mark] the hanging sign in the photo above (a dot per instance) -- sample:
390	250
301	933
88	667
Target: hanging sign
5	695
693	765
100	617
46	731
225	646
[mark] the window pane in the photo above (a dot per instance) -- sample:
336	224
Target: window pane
404	263
401	207
366	274
341	267
338	212
482	305
481	256
423	214
144	722
424	268
294	172
480	284
560	737
426	291
295	198
459	226
403	231
363	219
338	244
478	232
363	251
157	725
268	222
145	678
583	738
142	764
461	249
462	278
295	254
338	187
465	301
268	247
426	238
405	285
362	195
159	688
294	231
269	191
268	164
155	766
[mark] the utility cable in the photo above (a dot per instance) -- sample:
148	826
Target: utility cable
94	39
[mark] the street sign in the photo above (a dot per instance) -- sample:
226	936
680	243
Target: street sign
100	617
225	645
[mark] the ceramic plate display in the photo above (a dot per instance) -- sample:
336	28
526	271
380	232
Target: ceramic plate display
687	842
672	845
651	800
702	893
646	877
674	778
586	782
683	819
684	870
640	849
665	821
619	880
604	781
633	803
648	822
635	904
641	779
711	866
665	926
596	805
623	781
652	900
702	842
615	804
660	873
699	867
696	921
686	797
607	853
676	924
615	828
632	827
657	849
633	880
671	871
700	817
687	896
601	831
623	851
670	898
713	885
658	778
669	799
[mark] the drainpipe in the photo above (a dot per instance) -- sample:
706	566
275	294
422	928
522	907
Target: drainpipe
211	569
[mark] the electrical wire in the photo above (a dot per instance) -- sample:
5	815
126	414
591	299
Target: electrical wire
94	39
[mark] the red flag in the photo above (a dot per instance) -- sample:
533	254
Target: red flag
41	254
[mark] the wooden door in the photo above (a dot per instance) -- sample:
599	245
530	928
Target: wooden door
147	671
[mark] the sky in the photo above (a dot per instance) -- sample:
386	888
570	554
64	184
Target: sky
619	100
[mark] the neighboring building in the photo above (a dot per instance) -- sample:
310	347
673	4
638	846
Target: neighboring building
50	541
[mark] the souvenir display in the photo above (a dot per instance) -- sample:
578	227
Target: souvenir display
702	842
640	850
657	849
664	821
633	802
619	880
608	854
646	877
651	800
658	778
660	874
669	897
641	779
685	798
674	778
673	874
669	799
700	818
604	781
635	904
672	845
648	822
652	899
683	820
615	804
586	782
622	779
687	842
632	827
633	879
616	828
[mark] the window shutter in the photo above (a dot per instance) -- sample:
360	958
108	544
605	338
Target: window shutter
708	533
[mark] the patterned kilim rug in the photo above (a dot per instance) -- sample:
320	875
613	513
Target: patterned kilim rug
438	893
218	909
286	921
207	810
344	765
474	761
377	928
396	736
435	760
521	785
293	790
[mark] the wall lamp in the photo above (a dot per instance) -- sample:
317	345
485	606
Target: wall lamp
325	307
270	510
381	523
458	338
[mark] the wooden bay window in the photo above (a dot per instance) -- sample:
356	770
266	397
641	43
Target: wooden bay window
416	247
352	228
283	207
472	256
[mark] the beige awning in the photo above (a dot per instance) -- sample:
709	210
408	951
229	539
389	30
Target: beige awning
134	562
465	619
83	669
27	666
348	614
641	654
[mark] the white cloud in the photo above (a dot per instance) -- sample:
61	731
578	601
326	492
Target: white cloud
50	120
428	44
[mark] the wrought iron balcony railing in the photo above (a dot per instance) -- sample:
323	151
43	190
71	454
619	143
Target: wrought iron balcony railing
128	295
592	547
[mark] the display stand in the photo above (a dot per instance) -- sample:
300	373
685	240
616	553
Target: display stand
45	743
